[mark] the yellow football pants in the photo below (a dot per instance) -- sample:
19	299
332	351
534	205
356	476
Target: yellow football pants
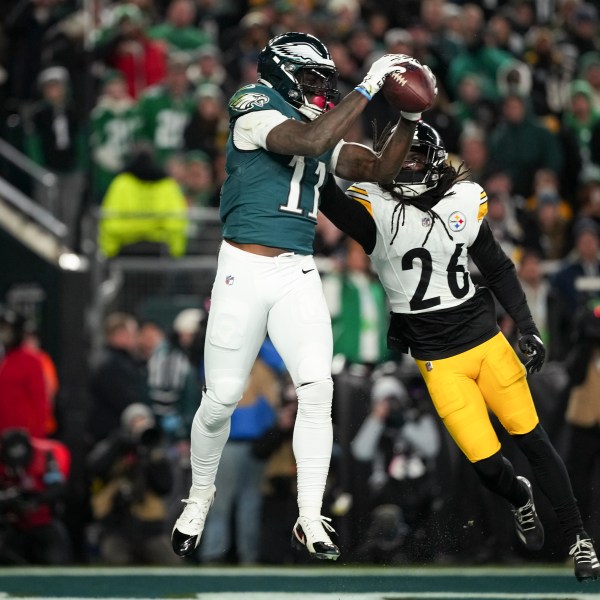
463	388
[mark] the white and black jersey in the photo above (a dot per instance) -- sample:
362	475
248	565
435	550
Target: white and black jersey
420	253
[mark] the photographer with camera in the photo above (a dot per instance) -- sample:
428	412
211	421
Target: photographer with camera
401	440
574	316
130	478
33	476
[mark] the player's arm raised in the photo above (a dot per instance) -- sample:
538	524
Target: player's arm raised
360	163
316	137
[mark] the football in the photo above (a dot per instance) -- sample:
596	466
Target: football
412	91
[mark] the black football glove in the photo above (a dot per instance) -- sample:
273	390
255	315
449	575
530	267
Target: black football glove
532	347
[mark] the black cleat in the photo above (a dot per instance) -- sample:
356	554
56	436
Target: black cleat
528	526
188	528
311	535
585	561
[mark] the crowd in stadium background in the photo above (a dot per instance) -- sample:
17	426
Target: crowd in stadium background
96	90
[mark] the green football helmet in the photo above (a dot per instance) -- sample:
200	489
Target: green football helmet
299	66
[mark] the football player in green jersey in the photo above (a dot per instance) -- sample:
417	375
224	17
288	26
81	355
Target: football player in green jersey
420	231
285	139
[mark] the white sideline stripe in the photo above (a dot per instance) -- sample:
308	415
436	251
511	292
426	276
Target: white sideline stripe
339	570
338	596
391	596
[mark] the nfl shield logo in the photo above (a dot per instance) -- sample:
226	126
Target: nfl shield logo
426	221
428	365
229	280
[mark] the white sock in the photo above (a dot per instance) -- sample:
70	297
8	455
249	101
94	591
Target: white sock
313	442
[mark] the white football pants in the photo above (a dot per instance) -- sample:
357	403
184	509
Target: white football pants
254	295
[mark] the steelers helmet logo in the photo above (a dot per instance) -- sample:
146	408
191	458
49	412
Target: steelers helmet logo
457	221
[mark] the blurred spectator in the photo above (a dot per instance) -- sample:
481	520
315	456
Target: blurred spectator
589	71
25	26
178	31
514	78
358	308
582	28
583	409
473	150
502	213
189	330
401	441
208	68
130	476
536	287
584	262
32	341
112	124
520	146
240	477
581	116
589	193
477	56
547	218
123	44
208	126
116	379
549	71
33	477
447	41
279	481
54	140
164	111
173	392
198	181
470	107
24	400
243	44
144	211
502	34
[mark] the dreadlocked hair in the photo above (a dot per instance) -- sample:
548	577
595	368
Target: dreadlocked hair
448	176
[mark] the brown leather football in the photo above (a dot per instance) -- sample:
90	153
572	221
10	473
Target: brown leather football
411	91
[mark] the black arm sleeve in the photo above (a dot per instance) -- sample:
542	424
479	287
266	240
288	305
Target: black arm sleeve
500	274
348	215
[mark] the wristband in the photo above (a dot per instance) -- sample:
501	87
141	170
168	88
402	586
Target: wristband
410	116
361	90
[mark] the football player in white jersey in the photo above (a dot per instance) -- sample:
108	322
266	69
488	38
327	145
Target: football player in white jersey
285	137
419	232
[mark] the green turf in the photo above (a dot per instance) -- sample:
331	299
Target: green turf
332	582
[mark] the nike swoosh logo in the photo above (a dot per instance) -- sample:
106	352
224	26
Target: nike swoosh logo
307	271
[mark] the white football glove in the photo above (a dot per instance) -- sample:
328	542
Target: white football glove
380	69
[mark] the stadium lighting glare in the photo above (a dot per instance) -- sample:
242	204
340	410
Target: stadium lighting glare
70	262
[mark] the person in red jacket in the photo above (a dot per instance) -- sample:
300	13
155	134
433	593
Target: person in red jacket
33	477
124	45
24	400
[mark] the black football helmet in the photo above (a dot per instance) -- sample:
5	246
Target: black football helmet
429	145
296	64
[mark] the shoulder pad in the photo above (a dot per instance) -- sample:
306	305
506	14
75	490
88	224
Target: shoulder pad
471	193
253	97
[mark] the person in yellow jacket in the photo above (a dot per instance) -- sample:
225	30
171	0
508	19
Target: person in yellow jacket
143	204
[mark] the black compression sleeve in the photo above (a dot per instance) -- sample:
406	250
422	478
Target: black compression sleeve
348	215
500	274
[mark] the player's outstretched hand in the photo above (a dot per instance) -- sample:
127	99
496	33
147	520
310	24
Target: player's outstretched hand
380	69
533	348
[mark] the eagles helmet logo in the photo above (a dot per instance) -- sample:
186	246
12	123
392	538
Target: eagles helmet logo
248	101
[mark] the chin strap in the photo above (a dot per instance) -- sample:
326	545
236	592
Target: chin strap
318	106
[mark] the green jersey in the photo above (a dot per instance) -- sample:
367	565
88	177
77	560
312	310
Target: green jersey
162	120
112	126
270	199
